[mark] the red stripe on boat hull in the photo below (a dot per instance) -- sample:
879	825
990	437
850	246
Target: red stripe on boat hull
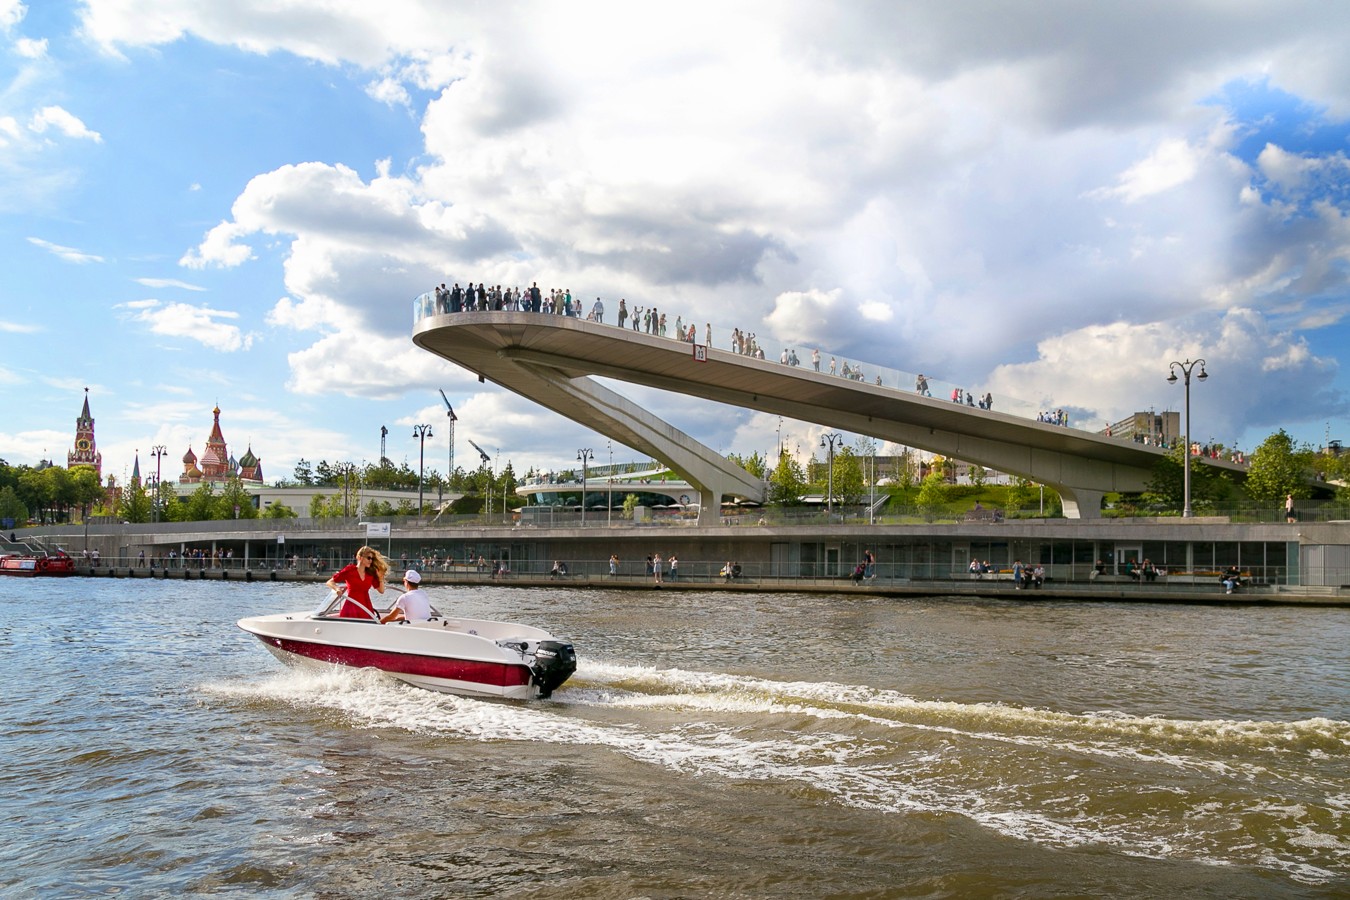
499	675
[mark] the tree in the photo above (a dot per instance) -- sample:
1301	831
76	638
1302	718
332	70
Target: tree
163	497
278	510
63	488
849	485
333	506
1019	493
787	482
304	472
236	502
755	464
933	494
12	510
905	477
88	489
977	475
38	492
1278	469
133	504
201	505
1167	486
1335	468
174	509
375	508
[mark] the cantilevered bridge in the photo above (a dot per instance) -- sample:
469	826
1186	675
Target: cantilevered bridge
552	359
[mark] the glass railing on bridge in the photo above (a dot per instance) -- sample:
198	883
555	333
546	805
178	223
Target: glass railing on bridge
802	355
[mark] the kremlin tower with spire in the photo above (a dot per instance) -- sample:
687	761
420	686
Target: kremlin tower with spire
85	452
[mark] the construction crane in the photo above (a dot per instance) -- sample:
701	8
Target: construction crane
450	411
492	476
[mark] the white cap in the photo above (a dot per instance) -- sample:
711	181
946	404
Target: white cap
412	576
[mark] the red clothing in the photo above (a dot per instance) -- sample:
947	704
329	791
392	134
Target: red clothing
358	588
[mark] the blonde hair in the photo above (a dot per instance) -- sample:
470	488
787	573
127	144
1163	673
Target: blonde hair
377	562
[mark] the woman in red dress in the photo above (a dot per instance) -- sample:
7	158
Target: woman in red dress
357	579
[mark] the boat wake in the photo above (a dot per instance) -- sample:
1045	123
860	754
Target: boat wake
1262	794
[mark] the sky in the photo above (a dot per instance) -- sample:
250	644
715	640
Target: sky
235	203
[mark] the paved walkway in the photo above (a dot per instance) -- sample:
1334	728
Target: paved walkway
1157	592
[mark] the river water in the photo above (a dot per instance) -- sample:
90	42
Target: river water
710	745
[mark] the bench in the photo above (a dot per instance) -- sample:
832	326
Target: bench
1207	577
983	515
996	575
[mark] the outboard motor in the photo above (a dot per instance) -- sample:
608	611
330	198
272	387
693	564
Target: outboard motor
554	663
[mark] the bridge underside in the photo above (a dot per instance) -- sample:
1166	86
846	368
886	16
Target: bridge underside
550	360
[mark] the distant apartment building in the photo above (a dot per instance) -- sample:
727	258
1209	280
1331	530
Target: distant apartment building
1154	428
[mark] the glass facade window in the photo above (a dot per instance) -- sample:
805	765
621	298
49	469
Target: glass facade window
1225	554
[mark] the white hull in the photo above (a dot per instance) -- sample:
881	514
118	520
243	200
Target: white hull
474	657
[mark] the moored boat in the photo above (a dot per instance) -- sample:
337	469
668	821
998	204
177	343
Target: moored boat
474	657
31	564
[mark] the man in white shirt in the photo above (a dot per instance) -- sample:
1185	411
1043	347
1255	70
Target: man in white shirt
412	605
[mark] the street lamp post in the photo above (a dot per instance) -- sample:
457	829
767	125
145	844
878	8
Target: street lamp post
1186	368
872	488
346	472
421	432
829	439
609	498
586	454
158	453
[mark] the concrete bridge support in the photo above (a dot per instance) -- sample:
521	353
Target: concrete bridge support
613	414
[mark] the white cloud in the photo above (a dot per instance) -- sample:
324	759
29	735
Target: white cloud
389	91
30	48
1172	163
1294	175
69	254
11	13
1257	376
62	121
908	184
314	29
219	249
169	282
197	323
19	327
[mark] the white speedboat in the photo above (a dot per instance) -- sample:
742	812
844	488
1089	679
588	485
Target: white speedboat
475	657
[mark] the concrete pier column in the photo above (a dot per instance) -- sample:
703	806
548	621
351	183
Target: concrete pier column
1080	503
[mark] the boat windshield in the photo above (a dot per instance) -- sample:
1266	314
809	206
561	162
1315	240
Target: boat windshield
332	605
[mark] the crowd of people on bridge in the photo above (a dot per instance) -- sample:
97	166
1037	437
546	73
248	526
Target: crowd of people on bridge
1053	417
